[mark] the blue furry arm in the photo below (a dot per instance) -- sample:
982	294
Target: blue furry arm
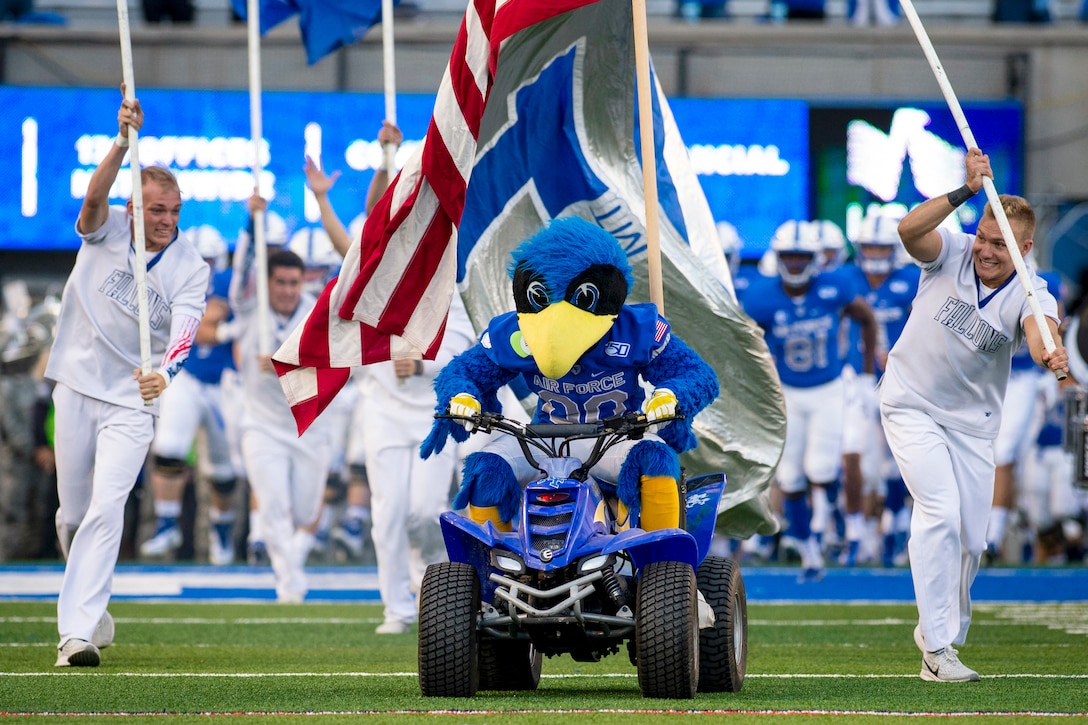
470	372
685	373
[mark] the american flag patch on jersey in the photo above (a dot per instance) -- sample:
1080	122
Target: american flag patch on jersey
661	330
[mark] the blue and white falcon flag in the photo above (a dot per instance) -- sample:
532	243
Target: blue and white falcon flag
559	137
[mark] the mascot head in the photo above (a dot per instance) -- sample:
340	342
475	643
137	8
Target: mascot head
570	280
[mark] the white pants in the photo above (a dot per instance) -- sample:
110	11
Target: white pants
407	494
1048	493
813	447
288	475
100	450
188	405
950	476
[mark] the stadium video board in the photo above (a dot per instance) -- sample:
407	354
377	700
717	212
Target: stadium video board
760	161
905	153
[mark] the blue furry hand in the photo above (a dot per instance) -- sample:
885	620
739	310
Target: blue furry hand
442	429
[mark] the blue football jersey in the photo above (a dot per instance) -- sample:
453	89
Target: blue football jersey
206	363
604	383
891	303
803	333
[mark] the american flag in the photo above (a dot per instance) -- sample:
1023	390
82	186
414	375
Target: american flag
394	290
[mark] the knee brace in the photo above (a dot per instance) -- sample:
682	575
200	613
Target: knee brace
357	473
336	488
225	486
169	466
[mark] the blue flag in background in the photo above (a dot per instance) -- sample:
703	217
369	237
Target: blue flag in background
325	24
559	137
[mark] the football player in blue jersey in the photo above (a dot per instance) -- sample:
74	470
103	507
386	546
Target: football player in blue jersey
871	479
801	311
194	401
584	352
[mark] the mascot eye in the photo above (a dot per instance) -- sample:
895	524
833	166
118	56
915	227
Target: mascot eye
537	295
585	297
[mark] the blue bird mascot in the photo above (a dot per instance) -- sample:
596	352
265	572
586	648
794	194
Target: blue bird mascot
582	351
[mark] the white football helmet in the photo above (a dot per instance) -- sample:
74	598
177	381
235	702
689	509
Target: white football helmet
878	240
322	261
275	230
209	243
797	248
832	243
731	243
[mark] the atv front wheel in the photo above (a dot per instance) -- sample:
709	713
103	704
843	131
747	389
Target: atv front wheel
509	665
723	650
667	631
449	601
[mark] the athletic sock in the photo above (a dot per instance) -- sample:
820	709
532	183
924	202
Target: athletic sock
223	524
798	517
168	510
355	511
995	531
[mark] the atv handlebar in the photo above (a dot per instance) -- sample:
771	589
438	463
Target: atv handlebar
608	432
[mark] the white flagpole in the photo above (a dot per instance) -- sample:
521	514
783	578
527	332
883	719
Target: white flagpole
138	241
987	182
649	156
253	23
390	83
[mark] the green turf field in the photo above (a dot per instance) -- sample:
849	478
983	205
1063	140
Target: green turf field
820	662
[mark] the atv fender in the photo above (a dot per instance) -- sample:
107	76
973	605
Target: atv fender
703	495
647	547
468	542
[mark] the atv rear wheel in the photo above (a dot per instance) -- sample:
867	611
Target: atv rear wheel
723	650
509	665
667	631
449	601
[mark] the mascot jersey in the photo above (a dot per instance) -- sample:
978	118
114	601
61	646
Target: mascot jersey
605	381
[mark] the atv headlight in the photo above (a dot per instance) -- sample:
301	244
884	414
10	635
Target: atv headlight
508	562
593	563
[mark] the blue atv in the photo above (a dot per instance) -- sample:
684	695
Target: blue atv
569	580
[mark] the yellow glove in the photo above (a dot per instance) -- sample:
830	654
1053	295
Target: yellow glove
662	404
464	404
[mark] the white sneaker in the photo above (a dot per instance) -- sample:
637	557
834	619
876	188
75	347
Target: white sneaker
393	627
103	632
945	666
162	543
219	554
920	641
77	653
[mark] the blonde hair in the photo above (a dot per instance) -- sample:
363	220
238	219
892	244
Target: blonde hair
159	175
1018	211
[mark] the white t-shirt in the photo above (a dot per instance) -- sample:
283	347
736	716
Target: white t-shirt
953	359
97	345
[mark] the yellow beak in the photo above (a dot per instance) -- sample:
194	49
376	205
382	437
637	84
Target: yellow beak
560	334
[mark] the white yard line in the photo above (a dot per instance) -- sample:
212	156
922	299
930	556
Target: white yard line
579	676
